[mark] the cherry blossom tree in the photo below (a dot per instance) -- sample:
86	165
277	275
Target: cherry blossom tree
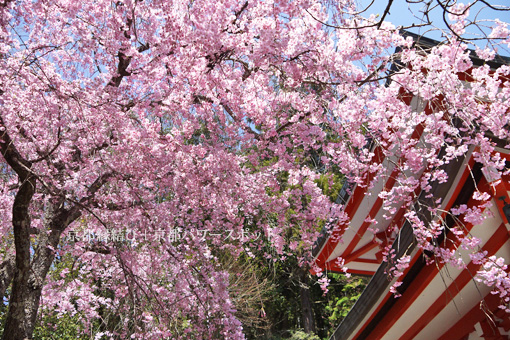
141	139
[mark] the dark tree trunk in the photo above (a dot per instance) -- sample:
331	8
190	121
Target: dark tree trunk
17	325
27	289
7	272
29	279
29	271
306	303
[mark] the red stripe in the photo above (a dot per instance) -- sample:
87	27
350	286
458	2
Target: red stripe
458	188
490	331
379	201
373	212
363	250
420	282
350	209
332	266
465	325
500	194
497	240
358	195
385	299
334	238
373	261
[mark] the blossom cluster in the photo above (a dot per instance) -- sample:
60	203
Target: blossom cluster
216	122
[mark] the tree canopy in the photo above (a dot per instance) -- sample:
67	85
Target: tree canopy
144	140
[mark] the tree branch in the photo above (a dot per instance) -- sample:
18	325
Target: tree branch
11	154
122	66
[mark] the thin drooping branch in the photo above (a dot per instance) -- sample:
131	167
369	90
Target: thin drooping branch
228	109
44	156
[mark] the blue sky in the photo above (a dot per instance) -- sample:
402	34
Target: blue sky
402	13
